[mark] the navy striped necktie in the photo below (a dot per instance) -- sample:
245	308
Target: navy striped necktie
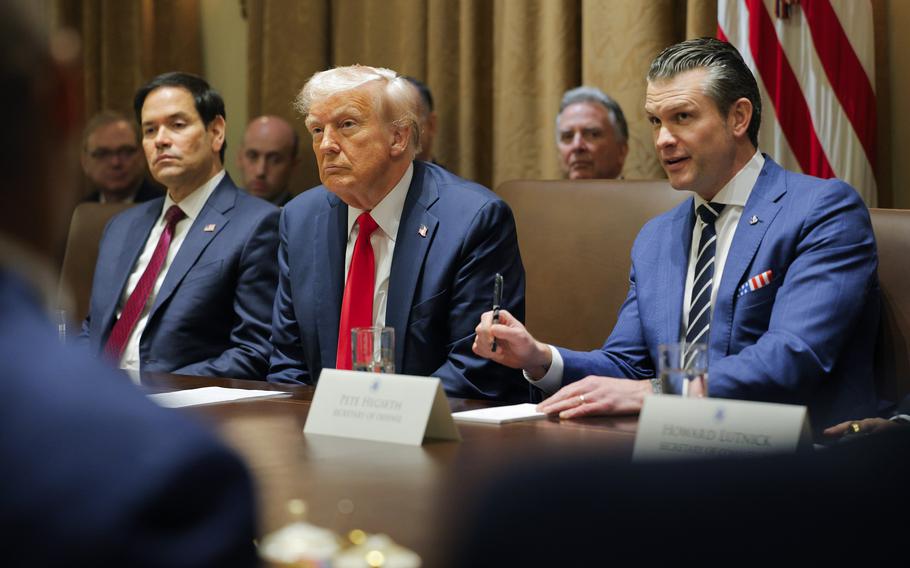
700	306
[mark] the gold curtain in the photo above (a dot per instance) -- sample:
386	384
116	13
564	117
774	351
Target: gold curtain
497	68
127	42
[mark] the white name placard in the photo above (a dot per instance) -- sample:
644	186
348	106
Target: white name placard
380	407
673	427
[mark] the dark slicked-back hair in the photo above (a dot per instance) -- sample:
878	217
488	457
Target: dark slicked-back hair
209	103
729	78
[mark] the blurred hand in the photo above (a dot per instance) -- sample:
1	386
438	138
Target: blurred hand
597	395
515	347
866	426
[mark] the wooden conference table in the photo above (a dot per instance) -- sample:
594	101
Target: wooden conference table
413	494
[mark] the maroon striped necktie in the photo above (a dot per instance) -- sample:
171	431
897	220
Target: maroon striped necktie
140	296
357	306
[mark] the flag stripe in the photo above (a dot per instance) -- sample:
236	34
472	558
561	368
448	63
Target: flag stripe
845	72
786	95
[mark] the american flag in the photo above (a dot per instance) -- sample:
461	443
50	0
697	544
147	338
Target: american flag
815	65
756	282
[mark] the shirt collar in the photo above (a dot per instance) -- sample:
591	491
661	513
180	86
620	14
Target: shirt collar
737	190
387	212
192	204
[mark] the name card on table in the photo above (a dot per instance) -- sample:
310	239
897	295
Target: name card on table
674	427
380	407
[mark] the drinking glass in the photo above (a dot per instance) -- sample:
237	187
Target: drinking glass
682	368
373	349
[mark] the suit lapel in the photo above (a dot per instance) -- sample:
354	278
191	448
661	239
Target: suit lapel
333	223
216	211
126	260
677	259
763	203
411	246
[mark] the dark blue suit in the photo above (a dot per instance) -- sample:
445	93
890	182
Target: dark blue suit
805	338
439	285
94	474
211	315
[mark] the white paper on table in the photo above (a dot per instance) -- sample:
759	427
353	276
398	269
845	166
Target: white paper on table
500	414
210	395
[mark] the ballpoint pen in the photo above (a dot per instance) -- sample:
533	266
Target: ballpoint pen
497	303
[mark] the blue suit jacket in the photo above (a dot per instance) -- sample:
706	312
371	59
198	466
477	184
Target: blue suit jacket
806	338
94	474
211	316
439	284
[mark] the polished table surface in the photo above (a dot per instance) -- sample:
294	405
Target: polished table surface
413	494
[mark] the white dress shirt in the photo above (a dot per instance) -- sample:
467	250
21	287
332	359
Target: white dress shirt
191	206
734	196
387	214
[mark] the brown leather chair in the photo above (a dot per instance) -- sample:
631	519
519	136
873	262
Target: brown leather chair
576	240
892	357
86	227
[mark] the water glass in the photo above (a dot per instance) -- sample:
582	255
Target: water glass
373	349
682	368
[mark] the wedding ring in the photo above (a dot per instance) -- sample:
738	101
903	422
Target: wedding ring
853	428
582	399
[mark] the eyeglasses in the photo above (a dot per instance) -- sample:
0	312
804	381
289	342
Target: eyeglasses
104	154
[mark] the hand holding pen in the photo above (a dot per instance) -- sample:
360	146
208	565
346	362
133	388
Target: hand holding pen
497	304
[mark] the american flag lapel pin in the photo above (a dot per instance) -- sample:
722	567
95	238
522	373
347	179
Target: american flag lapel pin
756	282
210	228
422	231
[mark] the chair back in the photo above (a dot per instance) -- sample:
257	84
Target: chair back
892	353
576	240
86	227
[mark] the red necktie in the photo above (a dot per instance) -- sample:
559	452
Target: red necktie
140	296
357	306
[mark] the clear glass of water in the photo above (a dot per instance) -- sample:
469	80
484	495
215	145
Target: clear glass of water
682	368
373	349
61	321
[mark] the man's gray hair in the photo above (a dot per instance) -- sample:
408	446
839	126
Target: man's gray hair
586	94
729	78
398	103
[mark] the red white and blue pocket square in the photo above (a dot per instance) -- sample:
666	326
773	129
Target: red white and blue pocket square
755	282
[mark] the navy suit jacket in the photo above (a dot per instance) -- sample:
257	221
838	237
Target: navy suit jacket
211	316
441	281
96	475
806	338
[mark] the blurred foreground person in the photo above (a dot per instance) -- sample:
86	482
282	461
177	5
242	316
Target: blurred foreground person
94	474
833	507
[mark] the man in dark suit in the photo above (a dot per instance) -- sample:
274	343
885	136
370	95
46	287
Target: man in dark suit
777	276
185	283
431	245
93	473
268	158
112	162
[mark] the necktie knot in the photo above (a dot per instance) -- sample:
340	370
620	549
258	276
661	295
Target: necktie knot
709	212
173	215
367	224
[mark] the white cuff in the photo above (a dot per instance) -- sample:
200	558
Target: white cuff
552	380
